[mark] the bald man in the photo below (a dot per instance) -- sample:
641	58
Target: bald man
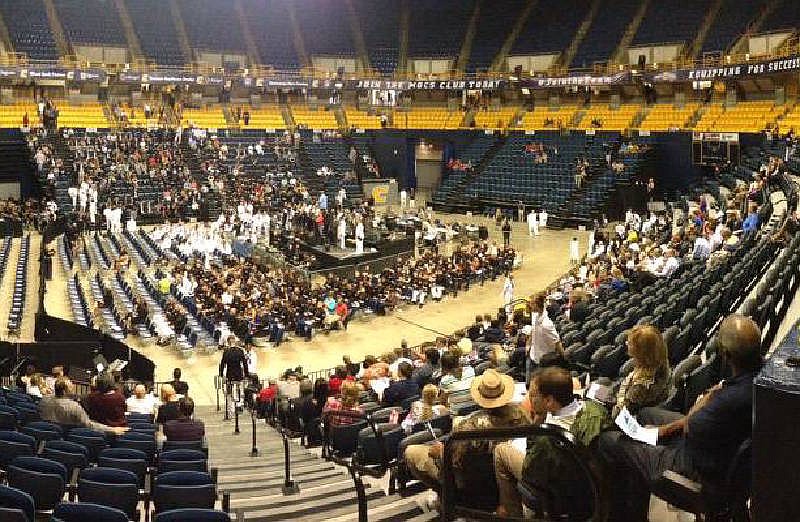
141	402
700	444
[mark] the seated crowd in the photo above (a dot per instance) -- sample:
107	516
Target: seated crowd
474	379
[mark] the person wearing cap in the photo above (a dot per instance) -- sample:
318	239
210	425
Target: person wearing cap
492	391
699	445
551	401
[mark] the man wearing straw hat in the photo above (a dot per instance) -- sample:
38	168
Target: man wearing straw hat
492	391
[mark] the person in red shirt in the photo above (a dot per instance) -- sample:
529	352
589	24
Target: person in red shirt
342	311
106	405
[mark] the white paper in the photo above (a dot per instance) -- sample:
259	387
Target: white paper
379	385
520	444
628	424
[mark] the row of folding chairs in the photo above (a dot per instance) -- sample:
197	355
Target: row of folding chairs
20	286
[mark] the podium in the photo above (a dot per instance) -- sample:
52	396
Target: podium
776	439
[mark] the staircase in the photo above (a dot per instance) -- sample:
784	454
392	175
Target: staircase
130	34
450	194
566	57
297	36
502	54
180	28
630	32
59	36
402	54
694	49
255	483
362	56
249	41
469	37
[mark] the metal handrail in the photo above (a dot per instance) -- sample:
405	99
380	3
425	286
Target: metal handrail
448	508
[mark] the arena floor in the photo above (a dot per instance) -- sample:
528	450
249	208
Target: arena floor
545	258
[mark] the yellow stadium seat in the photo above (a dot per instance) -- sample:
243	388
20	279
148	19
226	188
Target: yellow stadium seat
314	119
540	118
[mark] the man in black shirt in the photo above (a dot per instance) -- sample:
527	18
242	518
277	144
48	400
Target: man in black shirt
234	367
181	387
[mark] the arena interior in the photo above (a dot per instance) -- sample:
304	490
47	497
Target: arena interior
399	260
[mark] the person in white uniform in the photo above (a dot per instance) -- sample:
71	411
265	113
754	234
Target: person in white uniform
342	232
403	198
543	218
73	195
508	292
533	224
574	251
359	237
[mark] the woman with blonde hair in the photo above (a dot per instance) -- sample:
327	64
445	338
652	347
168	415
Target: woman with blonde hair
425	409
647	384
346	402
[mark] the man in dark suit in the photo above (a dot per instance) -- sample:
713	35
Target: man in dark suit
234	367
185	428
401	389
181	387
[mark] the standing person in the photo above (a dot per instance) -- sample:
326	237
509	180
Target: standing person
403	198
359	237
341	232
508	292
543	218
574	251
520	211
533	224
252	360
181	387
234	367
544	338
506	232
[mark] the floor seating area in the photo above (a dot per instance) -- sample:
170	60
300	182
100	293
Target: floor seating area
427	118
665	116
20	286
